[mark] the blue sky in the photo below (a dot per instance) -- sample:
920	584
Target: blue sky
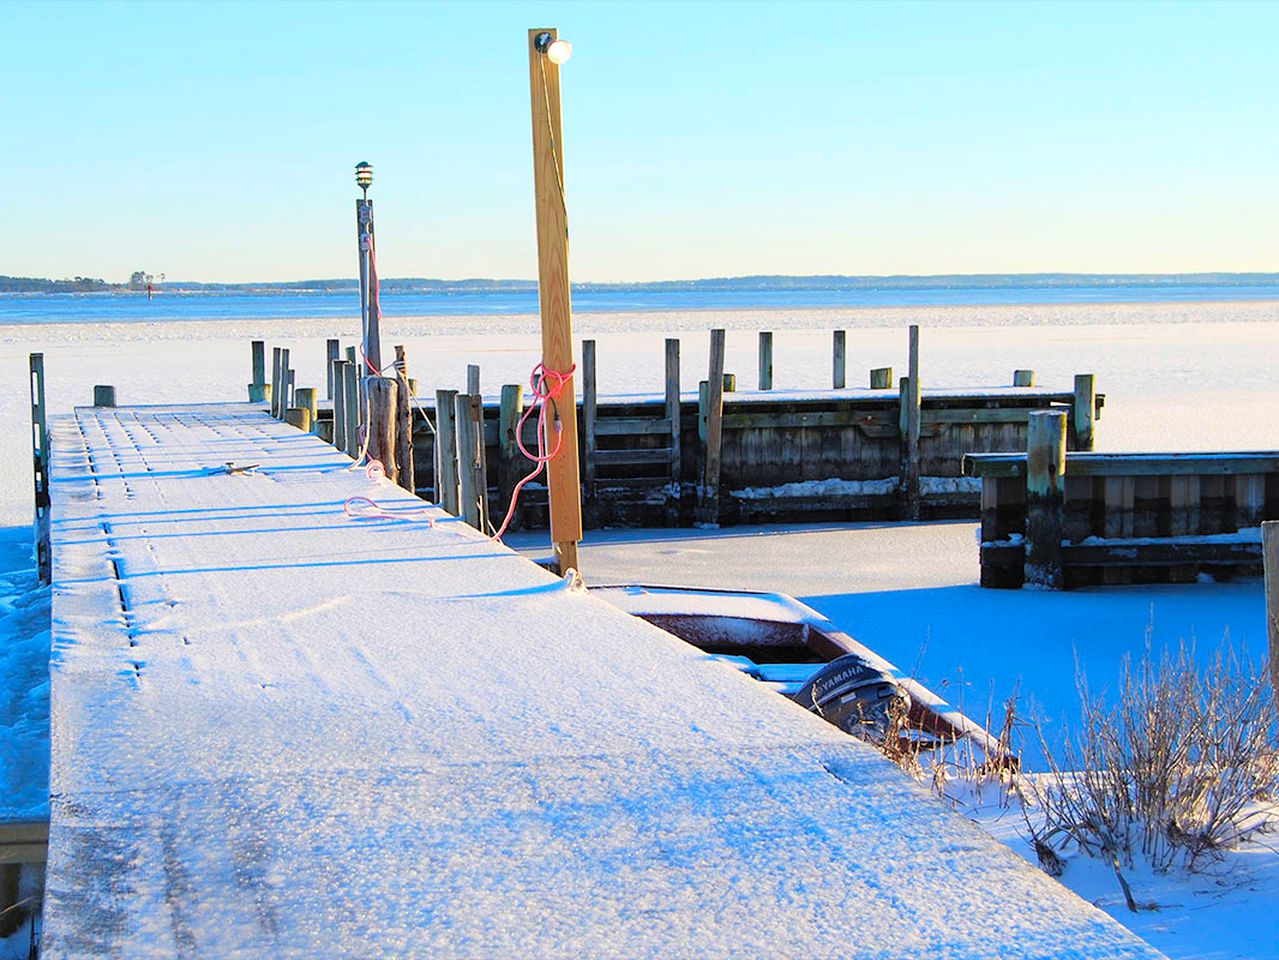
216	141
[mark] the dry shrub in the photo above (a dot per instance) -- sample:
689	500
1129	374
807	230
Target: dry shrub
1178	766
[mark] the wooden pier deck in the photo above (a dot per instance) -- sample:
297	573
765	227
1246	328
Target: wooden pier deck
282	732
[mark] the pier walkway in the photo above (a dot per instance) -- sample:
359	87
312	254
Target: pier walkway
279	731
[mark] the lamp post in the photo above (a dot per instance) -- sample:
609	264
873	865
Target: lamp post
546	53
370	309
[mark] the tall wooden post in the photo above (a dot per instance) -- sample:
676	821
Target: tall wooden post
1045	494
404	429
912	416
563	479
257	388
351	386
468	460
589	396
512	466
839	359
708	505
331	352
40	468
383	418
765	360
1270	554
1085	410
338	377
370	309
104	395
446	477
673	414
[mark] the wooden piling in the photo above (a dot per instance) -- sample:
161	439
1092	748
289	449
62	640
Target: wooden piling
446	473
675	490
1045	495
589	397
257	386
405	468
275	382
1023	378
708	499
282	402
730	383
351	387
473	379
305	397
512	465
765	360
40	467
382	424
881	378
289	383
332	350
338	376
104	395
912	409
468	461
299	417
1270	556
1085	410
839	359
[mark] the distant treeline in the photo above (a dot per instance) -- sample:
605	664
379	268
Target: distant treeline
992	281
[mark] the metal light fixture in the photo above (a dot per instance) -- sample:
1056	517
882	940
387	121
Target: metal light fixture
364	176
557	51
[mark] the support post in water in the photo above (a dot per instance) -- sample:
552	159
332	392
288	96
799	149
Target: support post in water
40	468
675	491
589	400
1045	493
338	372
1085	411
332	350
766	360
546	53
708	501
911	417
1270	555
406	475
839	359
257	387
104	395
382	421
446	479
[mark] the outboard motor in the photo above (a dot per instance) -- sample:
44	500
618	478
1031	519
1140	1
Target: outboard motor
855	696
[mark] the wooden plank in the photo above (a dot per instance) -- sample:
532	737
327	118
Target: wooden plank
1250	500
1141	552
332	350
609	458
1270	552
383	423
24	841
446	470
338	368
708	500
1183	506
563	479
766	360
632	427
257	386
1023	378
353	408
881	378
468	460
589	387
1131	464
512	464
1045	494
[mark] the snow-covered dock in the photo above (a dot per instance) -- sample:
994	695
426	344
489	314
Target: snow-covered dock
281	731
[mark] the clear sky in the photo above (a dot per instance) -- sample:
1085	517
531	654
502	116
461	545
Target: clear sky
216	141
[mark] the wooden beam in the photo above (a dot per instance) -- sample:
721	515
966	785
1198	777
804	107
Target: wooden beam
1045	494
338	376
708	501
446	473
406	476
40	467
839	359
673	416
1131	464
512	464
468	460
589	398
1085	411
765	360
331	351
1023	378
104	395
563	479
351	387
382	423
881	378
1270	554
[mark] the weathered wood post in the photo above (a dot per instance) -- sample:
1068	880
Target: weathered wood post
1270	555
1045	493
766	360
1085	412
382	424
351	387
405	468
282	402
299	417
839	358
370	309
881	378
911	416
332	350
1023	378
708	496
104	395
468	460
675	491
288	391
304	397
275	382
563	481
257	387
446	473
512	465
589	400
338	368
473	379
40	468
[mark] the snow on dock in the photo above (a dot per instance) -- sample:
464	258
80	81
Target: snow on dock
279	731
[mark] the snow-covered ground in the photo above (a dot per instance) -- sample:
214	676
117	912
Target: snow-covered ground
1177	377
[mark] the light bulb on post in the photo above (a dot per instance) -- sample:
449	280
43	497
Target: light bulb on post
364	176
557	51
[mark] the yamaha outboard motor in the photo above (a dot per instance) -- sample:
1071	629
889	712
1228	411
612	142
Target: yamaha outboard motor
856	697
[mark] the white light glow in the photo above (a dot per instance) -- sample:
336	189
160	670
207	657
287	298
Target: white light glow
558	51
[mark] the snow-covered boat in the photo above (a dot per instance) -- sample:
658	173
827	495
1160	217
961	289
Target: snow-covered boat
802	655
